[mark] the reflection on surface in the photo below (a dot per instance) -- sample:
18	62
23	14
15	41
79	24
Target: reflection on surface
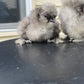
9	11
52	62
41	63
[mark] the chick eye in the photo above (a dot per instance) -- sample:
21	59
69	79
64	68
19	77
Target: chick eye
47	16
54	16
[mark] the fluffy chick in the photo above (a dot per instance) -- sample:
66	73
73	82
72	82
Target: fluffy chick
40	25
72	19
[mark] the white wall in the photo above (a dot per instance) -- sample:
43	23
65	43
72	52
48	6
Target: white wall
28	7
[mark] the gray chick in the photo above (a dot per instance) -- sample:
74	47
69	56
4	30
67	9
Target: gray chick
40	25
72	19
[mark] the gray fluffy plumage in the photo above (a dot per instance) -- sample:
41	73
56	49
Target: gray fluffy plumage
72	19
40	25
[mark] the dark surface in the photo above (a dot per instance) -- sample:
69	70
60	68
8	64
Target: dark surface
41	63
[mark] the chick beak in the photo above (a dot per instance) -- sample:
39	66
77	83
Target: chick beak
53	20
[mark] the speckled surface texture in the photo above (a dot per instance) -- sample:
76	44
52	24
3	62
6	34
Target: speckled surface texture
41	63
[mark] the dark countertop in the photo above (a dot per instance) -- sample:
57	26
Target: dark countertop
41	63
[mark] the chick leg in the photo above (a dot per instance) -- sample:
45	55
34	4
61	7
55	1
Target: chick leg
51	41
22	41
62	35
59	41
76	41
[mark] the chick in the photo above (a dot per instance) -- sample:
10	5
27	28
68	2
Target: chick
39	26
72	19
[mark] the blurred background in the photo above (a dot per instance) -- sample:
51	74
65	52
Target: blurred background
12	11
